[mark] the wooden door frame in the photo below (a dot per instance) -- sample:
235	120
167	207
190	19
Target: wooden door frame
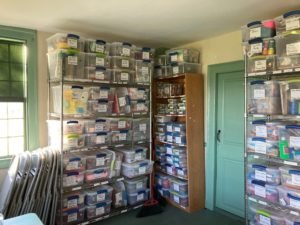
210	156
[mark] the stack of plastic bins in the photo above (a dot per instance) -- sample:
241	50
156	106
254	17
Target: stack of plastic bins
259	214
144	57
136	190
162	183
162	69
179	192
101	100
122	62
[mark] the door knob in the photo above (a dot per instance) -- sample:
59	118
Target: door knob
218	135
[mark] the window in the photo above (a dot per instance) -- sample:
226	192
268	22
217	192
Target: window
18	92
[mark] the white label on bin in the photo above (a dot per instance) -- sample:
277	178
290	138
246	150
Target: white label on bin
260	191
140	94
292	23
169	170
100	211
124	76
142	170
169	151
295	93
72	42
255	32
121	124
99	61
73	165
180	173
99	75
125	63
118	198
103	93
126	51
294	203
176	199
100	139
100	161
72	60
72	203
99	127
295	179
175	69
176	187
145	70
261	131
118	165
99	48
138	156
146	55
260	175
100	197
259	93
169	138
140	197
178	140
72	142
263	220
72	217
139	185
260	65
256	48
122	136
71	180
294	142
260	147
140	106
102	108
122	101
177	129
143	127
293	49
174	58
169	128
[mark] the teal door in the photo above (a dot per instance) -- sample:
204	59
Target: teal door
229	189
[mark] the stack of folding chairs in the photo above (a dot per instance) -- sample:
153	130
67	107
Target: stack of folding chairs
31	185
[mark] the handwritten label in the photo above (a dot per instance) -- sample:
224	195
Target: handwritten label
295	141
122	101
72	203
100	211
142	170
260	175
100	197
126	51
140	197
99	75
100	161
293	49
72	60
174	58
255	32
72	43
176	187
102	108
100	140
121	124
99	61
124	76
146	55
292	23
72	165
259	93
260	147
103	94
295	93
260	65
99	48
256	48
260	191
261	131
125	63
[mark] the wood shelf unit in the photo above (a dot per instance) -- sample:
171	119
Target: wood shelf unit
194	119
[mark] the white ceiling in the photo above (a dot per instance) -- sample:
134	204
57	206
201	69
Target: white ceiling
151	22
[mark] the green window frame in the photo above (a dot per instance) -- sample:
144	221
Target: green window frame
30	38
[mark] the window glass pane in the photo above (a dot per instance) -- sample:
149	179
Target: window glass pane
16	53
17	72
3	147
17	89
4	89
15	127
15	110
3	110
3	129
4	52
15	145
4	71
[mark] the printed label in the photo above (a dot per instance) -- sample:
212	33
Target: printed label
169	138
178	140
169	151
143	127
140	106
295	93
292	23
260	147
140	197
174	58
261	131
122	101
169	128
294	142
72	203
175	69
100	211
145	70
256	48
72	165
103	94
255	32
139	185
259	93
100	161
146	55
72	217
293	49
169	170
263	220
99	48
71	180
100	140
138	156
177	129
176	187
176	199
124	76
121	124
260	175
180	173
99	75
125	63
142	170
100	197
126	51
99	61
122	136
260	191
99	127
72	60
295	179
102	108
294	203
260	65
72	42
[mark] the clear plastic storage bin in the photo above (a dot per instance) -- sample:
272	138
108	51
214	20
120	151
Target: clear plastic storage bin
100	194
186	55
66	64
95	126
290	97
261	64
141	129
136	184
288	22
95	46
179	68
99	209
182	200
139	93
74	200
263	146
179	139
100	138
143	69
122	76
98	159
179	160
144	53
119	195
102	92
137	168
101	75
121	49
73	178
72	216
101	173
65	41
289	197
257	128
259	29
268	174
69	127
290	177
179	187
137	197
260	47
70	141
121	136
134	154
140	106
161	60
97	60
122	63
266	215
74	162
100	107
263	190
120	124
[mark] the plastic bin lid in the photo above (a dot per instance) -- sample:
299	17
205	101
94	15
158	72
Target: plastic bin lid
291	13
135	180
